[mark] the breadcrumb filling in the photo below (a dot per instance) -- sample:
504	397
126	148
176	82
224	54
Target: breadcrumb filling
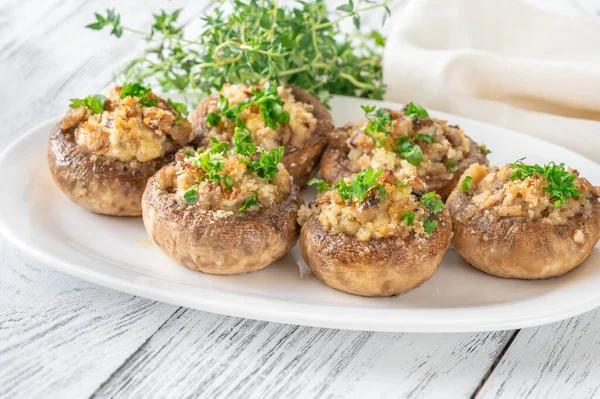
183	175
493	191
295	134
449	147
128	131
373	218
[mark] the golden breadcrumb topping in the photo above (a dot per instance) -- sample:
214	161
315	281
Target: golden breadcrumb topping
446	147
128	131
226	187
295	134
398	213
492	190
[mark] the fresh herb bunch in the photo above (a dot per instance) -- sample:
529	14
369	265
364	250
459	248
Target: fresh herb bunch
261	39
377	127
268	101
358	188
94	103
561	182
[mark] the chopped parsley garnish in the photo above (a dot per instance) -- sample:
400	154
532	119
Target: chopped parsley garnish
451	166
213	119
321	184
425	137
242	143
180	109
94	103
415	111
266	166
268	101
218	147
560	181
484	149
465	185
191	195
432	202
250	201
429	225
408	150
377	127
408	217
140	91
360	185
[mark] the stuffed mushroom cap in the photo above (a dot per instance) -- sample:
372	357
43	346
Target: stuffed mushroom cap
388	242
103	152
408	142
221	213
524	221
292	118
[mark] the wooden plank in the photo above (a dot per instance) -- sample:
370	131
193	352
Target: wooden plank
197	353
59	335
560	360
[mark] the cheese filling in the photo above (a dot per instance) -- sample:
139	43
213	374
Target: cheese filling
295	134
235	186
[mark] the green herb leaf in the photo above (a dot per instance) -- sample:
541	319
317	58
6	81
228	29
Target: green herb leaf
360	185
415	111
140	91
213	119
267	165
94	103
242	143
451	166
465	185
432	202
321	185
414	155
218	147
484	149
250	202
561	182
228	182
180	109
377	127
191	195
425	137
112	19
408	217
429	225
408	150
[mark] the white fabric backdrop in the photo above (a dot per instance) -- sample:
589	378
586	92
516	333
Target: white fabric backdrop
503	62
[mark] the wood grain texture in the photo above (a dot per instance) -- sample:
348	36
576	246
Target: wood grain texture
57	331
62	337
561	360
201	354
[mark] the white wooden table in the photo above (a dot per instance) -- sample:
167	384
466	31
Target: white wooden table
62	337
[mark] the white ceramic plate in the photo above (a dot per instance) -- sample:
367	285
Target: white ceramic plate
40	220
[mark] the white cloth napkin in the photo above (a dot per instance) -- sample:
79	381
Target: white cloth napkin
502	62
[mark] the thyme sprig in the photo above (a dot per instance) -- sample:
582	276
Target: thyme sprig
260	39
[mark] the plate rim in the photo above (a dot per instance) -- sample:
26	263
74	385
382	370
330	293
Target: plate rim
143	288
